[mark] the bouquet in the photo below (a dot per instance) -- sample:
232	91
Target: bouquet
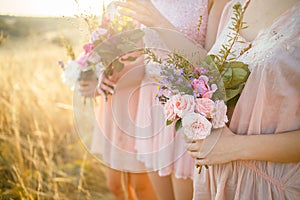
93	61
196	97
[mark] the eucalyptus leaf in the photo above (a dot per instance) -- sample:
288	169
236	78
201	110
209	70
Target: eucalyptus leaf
236	73
118	66
178	124
108	71
231	93
130	58
136	35
169	122
126	47
239	76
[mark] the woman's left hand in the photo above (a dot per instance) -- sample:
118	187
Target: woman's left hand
144	12
226	149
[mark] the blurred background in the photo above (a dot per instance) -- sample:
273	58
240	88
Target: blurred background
41	154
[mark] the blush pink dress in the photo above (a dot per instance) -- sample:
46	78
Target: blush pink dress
159	146
119	139
269	104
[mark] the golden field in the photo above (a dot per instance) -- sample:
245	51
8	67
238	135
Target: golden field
41	155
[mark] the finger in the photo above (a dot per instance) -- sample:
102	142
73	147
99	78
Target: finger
109	83
128	5
102	93
202	162
194	154
87	88
107	88
129	13
88	92
84	83
140	17
193	146
189	140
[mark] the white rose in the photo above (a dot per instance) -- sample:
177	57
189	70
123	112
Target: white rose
196	126
183	104
71	74
220	118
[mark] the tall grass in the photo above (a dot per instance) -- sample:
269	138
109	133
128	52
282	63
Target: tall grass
41	156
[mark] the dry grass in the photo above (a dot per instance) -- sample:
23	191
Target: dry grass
41	156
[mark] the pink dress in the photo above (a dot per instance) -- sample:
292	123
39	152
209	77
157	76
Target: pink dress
113	138
158	145
269	104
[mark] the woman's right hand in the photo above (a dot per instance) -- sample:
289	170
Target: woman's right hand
105	86
92	88
144	12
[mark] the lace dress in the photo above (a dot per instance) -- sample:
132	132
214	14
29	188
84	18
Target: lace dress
269	104
158	146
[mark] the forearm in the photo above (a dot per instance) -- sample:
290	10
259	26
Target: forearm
175	41
281	147
214	19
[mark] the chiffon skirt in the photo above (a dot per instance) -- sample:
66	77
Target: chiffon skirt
158	146
114	136
248	180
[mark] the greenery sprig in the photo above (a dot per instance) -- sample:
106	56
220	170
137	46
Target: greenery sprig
233	73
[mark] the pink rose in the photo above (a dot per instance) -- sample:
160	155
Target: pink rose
220	118
183	104
82	60
210	92
205	107
196	126
169	111
202	84
88	47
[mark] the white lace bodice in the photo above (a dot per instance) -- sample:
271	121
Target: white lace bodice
184	15
280	35
273	61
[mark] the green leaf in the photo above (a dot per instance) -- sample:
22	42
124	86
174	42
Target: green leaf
169	122
178	125
227	77
232	102
136	35
231	93
108	72
117	65
236	74
126	47
130	58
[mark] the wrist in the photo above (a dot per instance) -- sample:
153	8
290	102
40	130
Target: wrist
167	25
247	147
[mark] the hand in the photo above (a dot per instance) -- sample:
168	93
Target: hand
88	88
144	12
105	86
225	150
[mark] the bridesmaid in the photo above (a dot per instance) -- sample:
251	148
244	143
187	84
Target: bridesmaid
113	143
158	146
258	156
112	139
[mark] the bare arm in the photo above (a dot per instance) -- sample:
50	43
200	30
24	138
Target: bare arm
146	13
281	147
213	21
